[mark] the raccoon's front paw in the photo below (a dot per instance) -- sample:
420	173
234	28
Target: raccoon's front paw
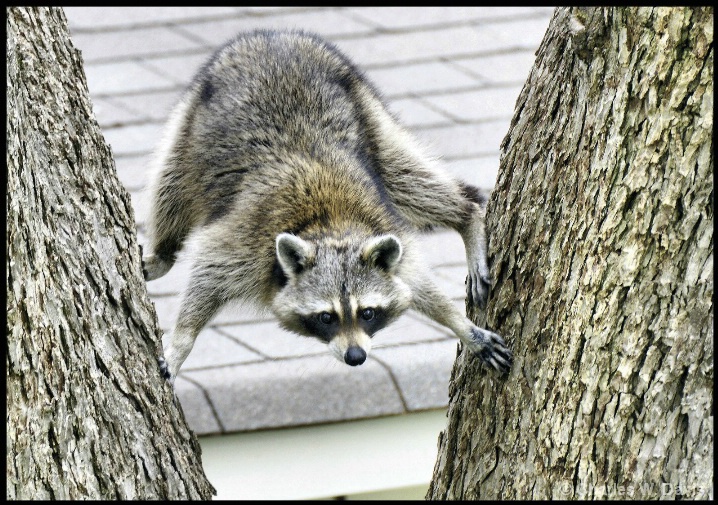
165	370
478	283
492	349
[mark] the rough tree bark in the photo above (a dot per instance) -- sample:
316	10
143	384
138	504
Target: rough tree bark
601	228
88	415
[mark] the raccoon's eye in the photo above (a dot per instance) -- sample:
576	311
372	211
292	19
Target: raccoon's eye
326	317
367	314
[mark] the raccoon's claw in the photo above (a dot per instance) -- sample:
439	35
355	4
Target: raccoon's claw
492	349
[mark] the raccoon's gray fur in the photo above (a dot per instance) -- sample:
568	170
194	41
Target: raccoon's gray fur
304	193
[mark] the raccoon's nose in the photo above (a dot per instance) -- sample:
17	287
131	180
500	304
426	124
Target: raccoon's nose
355	356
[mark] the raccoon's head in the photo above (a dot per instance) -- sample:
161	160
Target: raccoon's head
340	290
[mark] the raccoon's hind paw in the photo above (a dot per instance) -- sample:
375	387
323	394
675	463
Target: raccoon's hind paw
478	283
154	267
492	349
165	370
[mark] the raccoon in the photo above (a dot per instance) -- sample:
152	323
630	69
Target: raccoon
304	194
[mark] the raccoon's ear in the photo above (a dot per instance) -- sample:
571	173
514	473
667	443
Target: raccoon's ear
383	251
292	253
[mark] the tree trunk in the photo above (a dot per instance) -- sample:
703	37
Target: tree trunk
88	414
601	228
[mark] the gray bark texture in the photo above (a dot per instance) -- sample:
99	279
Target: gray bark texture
88	414
601	242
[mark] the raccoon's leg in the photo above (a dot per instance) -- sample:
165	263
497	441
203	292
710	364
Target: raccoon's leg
426	195
174	208
433	199
201	301
487	345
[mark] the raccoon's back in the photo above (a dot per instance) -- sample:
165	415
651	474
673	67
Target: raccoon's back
268	92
